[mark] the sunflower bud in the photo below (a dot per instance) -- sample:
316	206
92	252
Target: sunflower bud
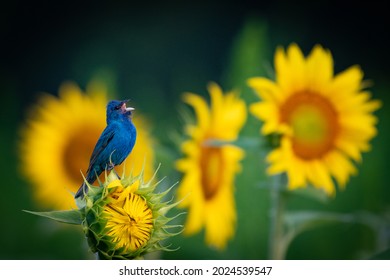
122	218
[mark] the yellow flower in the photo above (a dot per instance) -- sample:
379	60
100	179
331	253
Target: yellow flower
122	218
325	120
126	219
59	137
209	169
129	218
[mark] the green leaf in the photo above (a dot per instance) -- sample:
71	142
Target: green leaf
303	220
300	221
312	193
68	216
242	142
250	54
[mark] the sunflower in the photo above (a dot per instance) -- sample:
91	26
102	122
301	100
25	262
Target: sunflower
125	219
325	120
129	219
59	136
209	169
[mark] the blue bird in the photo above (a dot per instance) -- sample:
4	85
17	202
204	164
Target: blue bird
114	145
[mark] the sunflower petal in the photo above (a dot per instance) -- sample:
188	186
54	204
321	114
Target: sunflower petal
200	107
297	68
340	167
266	89
319	69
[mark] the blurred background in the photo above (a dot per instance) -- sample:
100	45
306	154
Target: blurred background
152	52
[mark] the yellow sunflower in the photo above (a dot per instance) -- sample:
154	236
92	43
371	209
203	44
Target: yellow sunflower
59	136
209	169
325	120
129	219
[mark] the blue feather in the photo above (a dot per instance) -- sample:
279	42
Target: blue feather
114	145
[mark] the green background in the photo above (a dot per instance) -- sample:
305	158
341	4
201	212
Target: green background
152	52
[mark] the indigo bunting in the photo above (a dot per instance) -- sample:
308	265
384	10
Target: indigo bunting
114	145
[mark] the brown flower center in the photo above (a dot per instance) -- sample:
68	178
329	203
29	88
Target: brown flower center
314	122
77	152
211	168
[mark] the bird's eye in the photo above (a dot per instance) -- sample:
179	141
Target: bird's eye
118	107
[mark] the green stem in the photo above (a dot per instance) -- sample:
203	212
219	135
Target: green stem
276	248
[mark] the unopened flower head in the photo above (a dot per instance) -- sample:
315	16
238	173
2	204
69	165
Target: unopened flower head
125	219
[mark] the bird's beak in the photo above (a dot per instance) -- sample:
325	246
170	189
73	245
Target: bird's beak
127	109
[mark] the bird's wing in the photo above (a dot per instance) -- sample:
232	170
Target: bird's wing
106	137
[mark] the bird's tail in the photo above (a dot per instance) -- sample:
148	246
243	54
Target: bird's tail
81	191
